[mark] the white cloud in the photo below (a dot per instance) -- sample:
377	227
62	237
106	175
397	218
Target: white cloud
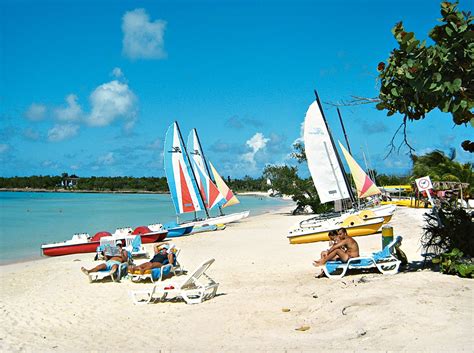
72	112
156	145
62	132
117	72
107	159
4	148
36	112
111	101
49	164
142	39
31	134
257	142
300	139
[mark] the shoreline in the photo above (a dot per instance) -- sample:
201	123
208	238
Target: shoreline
41	257
244	193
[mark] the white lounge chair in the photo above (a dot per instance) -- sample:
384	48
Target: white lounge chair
194	289
100	275
385	261
117	275
157	274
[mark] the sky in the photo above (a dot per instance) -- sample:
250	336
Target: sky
90	87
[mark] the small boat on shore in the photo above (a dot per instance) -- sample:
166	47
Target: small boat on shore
355	226
194	185
83	243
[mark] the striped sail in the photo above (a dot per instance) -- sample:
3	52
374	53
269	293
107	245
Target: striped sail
323	164
231	199
364	185
181	182
210	194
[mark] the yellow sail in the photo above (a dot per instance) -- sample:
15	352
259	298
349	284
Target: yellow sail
223	188
364	185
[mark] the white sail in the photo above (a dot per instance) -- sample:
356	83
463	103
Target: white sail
322	160
209	191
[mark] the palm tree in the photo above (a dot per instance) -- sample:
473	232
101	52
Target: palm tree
441	167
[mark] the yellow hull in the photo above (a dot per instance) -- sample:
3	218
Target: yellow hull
408	203
368	215
356	230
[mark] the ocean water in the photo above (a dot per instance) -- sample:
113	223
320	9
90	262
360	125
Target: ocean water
29	219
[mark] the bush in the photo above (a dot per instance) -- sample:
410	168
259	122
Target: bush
453	263
449	235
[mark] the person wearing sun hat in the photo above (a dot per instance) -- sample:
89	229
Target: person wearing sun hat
163	256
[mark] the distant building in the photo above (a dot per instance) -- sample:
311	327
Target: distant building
70	181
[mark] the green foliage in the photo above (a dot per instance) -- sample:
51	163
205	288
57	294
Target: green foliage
447	228
119	184
448	234
383	179
247	184
285	180
419	78
454	263
442	168
299	152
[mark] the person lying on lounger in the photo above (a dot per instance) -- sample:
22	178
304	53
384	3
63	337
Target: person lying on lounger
345	248
162	256
112	262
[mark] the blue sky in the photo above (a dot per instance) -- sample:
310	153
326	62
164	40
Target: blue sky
90	87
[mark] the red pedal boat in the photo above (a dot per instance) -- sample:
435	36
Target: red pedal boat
83	243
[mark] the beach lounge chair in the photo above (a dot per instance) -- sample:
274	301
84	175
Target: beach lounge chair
157	274
384	261
133	243
121	271
104	242
194	289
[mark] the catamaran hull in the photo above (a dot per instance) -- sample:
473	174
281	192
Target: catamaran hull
385	211
315	234
179	231
233	217
69	249
66	248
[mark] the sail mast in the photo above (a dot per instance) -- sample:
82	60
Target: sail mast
349	189
344	131
347	142
192	171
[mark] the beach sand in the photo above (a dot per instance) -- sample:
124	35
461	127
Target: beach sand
49	305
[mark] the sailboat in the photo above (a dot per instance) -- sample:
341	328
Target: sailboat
215	192
330	181
365	188
184	184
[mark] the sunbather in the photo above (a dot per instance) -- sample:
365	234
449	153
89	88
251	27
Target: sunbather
112	261
333	239
345	248
162	256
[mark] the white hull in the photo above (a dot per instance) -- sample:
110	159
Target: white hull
233	217
330	224
379	211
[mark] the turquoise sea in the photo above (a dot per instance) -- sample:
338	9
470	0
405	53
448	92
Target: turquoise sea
29	219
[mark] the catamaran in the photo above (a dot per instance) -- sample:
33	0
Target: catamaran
331	184
190	184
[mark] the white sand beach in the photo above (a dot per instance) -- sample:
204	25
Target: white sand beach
50	306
